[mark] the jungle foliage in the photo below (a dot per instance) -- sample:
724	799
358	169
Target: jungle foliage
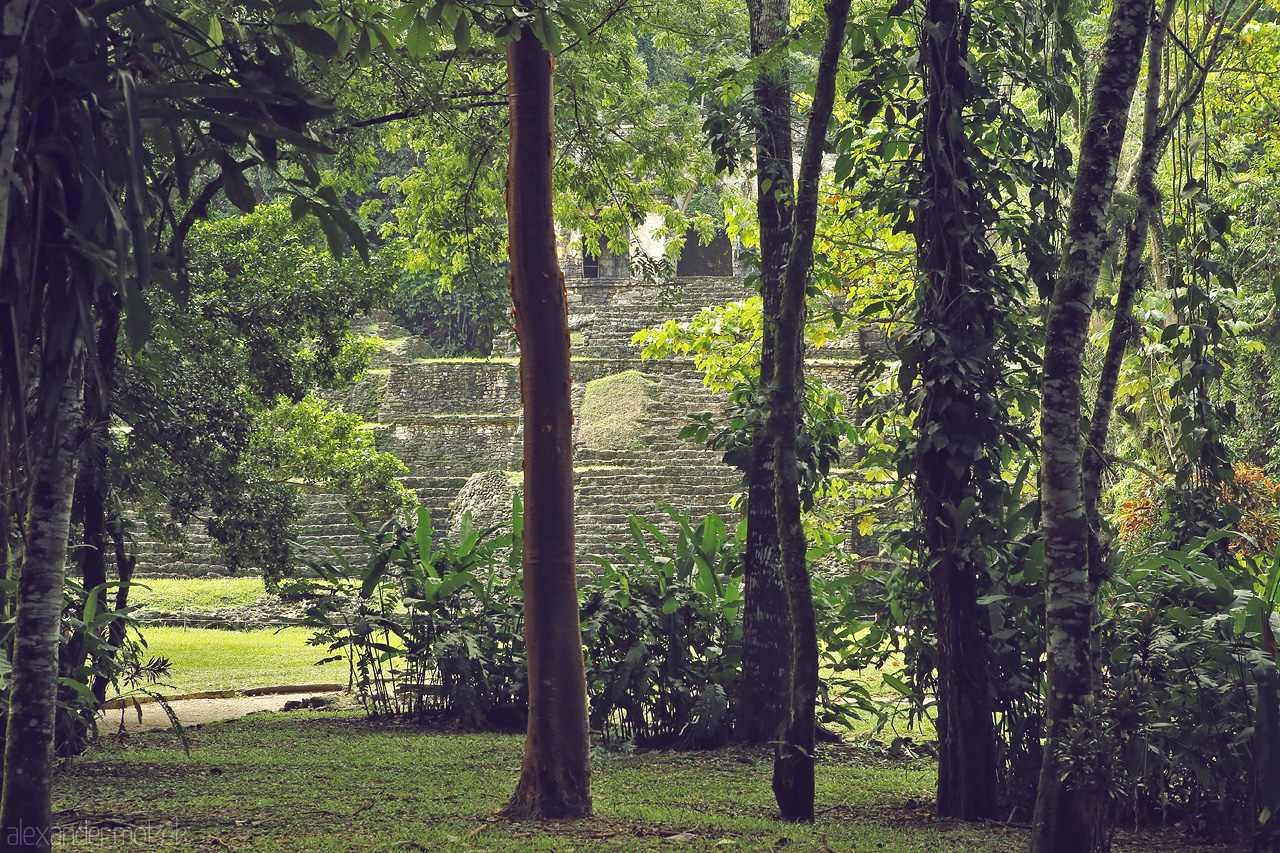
311	134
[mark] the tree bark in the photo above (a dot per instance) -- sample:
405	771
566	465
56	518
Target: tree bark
793	776
959	394
1123	328
1064	819
89	510
26	801
766	620
13	26
555	777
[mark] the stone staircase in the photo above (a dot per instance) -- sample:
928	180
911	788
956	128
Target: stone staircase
450	419
613	484
606	328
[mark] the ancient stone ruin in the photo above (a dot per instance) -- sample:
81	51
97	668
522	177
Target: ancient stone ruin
456	424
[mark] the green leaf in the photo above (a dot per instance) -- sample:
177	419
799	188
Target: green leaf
547	32
898	684
418	40
332	234
364	48
423	534
310	38
81	689
237	188
462	34
573	22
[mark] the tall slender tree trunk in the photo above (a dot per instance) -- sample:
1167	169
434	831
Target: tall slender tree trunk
958	400
1123	326
26	800
13	26
89	511
1065	818
793	776
555	777
766	628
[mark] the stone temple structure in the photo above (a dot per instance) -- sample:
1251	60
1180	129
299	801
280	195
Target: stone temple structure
456	423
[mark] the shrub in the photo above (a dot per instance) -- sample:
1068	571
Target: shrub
1251	503
1188	719
662	627
429	628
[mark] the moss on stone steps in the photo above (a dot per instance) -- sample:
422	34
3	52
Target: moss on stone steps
612	410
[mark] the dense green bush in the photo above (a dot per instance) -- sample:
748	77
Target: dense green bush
662	626
428	627
1186	726
433	629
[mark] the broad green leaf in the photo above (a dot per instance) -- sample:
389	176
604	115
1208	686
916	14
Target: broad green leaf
310	38
237	188
418	39
423	534
462	34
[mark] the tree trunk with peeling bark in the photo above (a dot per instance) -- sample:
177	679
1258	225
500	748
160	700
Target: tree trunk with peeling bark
555	776
1066	821
766	620
793	775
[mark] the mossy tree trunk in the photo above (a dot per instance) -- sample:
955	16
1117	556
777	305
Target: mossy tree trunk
793	775
1064	820
1123	325
555	776
766	628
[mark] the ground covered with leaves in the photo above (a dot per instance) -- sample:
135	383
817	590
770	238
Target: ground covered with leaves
335	781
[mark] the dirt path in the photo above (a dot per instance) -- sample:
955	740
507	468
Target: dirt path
195	712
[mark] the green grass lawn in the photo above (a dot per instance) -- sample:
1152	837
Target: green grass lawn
204	659
332	781
195	593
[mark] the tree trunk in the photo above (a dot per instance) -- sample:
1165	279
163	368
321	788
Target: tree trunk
25	803
958	400
793	778
766	620
13	25
555	777
1123	327
89	511
1064	820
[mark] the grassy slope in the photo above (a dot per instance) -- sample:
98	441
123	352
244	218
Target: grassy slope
195	593
329	781
204	659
